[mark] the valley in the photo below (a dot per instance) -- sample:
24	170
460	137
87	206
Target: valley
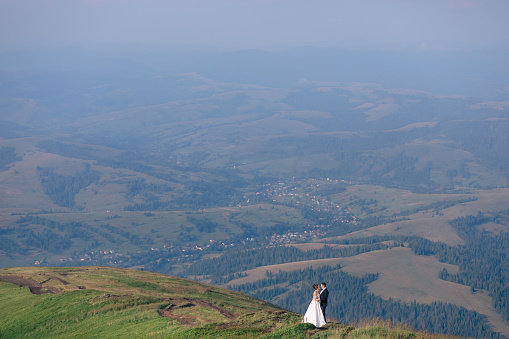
398	198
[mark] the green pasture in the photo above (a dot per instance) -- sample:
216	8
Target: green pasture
116	303
121	303
71	314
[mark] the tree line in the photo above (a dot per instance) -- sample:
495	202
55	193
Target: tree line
8	155
61	188
222	269
483	258
56	236
350	302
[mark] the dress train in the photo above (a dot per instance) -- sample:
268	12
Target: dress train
314	314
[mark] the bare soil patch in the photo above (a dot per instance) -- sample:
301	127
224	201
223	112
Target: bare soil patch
34	286
50	277
180	303
51	284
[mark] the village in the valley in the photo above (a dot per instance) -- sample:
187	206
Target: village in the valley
311	194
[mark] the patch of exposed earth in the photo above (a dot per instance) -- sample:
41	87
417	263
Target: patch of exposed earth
180	303
34	286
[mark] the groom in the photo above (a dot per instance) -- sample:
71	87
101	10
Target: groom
324	294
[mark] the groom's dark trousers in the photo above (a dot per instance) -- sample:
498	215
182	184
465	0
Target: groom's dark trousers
323	301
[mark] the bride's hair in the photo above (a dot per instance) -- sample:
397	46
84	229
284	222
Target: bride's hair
315	286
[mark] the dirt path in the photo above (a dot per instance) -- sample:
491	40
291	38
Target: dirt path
34	286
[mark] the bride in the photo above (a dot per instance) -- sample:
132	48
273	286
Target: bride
314	313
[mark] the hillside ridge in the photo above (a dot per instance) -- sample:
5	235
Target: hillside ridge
115	302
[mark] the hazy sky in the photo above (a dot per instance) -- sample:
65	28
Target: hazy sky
251	23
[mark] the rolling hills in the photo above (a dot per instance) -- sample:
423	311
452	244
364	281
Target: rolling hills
171	171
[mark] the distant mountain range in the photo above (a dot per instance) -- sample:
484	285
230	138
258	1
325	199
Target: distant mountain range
341	163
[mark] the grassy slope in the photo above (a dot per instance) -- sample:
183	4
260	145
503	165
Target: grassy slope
115	303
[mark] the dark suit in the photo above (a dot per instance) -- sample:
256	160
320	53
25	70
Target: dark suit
324	294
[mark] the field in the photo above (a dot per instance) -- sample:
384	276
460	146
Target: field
95	301
119	303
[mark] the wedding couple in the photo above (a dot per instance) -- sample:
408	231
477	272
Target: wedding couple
316	310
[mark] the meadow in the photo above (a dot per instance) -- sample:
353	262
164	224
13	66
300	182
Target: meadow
119	303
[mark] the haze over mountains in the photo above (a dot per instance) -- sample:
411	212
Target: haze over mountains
295	165
260	146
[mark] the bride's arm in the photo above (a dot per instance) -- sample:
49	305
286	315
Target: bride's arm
315	296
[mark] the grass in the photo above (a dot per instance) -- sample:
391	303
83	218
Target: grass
66	314
379	329
131	309
111	311
200	315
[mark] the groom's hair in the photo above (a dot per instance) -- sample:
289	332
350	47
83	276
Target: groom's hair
324	284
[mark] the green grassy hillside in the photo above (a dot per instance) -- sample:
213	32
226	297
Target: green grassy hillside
122	303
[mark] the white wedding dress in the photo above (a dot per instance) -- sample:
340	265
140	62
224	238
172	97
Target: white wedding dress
314	314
